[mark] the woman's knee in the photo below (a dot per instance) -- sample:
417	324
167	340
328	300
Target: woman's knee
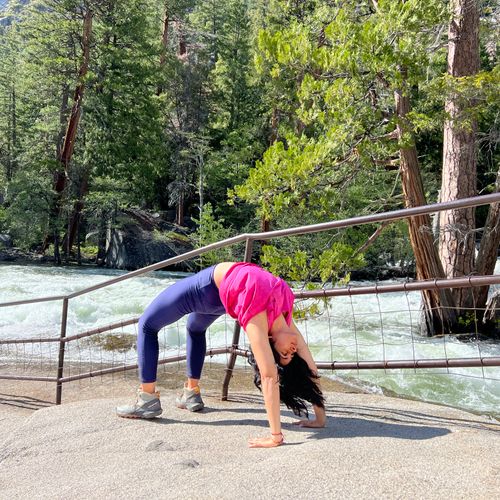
146	326
196	334
197	324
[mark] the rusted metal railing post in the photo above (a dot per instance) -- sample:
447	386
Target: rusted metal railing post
236	334
62	347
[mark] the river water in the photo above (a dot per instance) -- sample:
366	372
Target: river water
358	328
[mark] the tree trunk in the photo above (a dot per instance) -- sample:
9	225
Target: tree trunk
62	119
66	153
273	137
439	314
164	36
164	45
12	146
102	239
74	119
488	251
74	220
181	38
457	227
179	212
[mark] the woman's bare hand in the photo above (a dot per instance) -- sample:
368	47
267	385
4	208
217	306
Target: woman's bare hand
318	422
265	442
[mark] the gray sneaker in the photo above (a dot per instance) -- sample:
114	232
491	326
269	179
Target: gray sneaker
146	406
190	399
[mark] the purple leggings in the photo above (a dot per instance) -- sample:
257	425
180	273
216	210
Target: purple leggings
197	296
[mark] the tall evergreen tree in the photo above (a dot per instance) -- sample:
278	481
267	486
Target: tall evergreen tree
9	142
465	90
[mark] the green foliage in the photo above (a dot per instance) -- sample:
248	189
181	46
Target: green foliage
169	236
229	166
332	70
28	200
285	106
468	321
339	65
211	230
89	251
106	197
477	95
122	122
331	265
106	194
392	249
46	42
220	106
3	219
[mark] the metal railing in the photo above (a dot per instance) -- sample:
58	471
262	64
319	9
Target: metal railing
234	349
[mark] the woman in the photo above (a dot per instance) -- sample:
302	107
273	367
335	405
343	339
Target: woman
263	305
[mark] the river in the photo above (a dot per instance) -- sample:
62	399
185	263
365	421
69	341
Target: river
358	328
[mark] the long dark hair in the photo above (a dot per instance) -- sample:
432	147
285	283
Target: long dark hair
297	383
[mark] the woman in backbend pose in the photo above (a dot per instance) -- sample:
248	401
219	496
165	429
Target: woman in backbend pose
263	304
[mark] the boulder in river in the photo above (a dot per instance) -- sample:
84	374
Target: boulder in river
140	239
5	241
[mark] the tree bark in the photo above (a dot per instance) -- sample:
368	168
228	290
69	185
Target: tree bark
63	110
179	211
164	44
438	307
488	251
181	39
164	36
12	144
74	220
61	176
74	119
273	137
459	178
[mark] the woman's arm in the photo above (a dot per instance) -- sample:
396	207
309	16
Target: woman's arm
304	352
258	335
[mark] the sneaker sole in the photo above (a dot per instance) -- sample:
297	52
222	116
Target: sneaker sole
146	415
193	408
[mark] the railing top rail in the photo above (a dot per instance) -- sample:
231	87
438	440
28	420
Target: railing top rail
314	228
403	213
138	272
409	286
164	263
32	301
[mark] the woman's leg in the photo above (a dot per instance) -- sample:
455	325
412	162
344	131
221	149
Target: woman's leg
196	345
168	307
196	293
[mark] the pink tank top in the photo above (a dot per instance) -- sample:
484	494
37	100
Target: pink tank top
247	290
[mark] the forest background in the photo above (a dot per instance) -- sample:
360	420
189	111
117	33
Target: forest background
232	116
